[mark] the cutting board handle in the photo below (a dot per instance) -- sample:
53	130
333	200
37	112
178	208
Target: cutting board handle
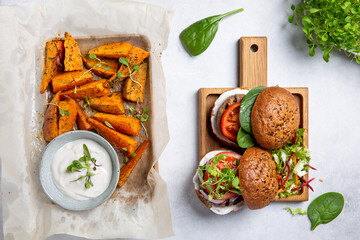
252	62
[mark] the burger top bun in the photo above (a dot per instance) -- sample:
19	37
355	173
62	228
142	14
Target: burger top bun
258	181
275	117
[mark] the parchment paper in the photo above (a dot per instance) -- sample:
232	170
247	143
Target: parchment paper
27	212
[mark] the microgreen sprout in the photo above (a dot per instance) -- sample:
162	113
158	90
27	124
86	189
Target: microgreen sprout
87	100
135	67
142	116
61	111
84	162
127	160
100	63
329	25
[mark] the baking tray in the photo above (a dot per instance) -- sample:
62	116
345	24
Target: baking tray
252	73
137	180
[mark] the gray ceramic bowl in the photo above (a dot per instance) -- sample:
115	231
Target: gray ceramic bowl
48	183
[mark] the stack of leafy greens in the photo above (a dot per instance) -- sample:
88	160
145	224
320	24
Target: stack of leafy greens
292	164
329	25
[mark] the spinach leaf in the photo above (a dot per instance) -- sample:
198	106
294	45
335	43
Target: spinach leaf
325	208
198	36
244	139
246	106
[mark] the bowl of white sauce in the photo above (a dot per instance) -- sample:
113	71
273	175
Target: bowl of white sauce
79	170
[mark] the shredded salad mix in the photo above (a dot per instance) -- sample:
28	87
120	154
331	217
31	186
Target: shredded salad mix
292	164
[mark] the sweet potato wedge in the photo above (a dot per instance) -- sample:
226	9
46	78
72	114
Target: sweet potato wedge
134	89
110	103
53	62
108	66
68	80
51	125
81	119
120	141
113	50
66	122
73	60
122	123
92	89
136	56
126	170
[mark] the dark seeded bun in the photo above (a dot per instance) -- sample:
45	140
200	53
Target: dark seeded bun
275	117
257	174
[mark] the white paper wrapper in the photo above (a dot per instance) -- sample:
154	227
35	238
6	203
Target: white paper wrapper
27	212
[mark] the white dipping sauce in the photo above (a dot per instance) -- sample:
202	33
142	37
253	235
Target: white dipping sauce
65	180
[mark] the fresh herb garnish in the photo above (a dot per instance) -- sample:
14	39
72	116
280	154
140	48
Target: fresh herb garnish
220	181
127	160
198	36
109	124
329	25
87	100
62	112
325	208
100	63
142	116
296	211
84	162
125	149
133	154
135	67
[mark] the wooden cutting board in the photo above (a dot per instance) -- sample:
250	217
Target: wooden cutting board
252	73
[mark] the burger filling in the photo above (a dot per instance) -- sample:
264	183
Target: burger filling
292	164
219	177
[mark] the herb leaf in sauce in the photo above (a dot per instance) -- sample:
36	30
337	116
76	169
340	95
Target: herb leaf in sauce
84	162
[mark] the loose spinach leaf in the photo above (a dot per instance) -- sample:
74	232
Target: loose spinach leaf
325	208
246	106
198	36
244	139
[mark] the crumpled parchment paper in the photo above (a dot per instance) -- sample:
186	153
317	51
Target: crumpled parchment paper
27	212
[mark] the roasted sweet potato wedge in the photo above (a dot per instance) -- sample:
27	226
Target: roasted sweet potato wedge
136	56
110	103
113	50
68	80
126	170
51	124
134	89
90	90
73	60
122	123
81	119
53	62
120	141
67	121
108	66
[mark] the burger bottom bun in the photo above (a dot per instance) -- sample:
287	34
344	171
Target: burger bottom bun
220	209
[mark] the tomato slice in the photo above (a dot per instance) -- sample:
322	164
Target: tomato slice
229	160
230	122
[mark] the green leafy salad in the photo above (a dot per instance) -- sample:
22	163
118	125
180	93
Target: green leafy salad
292	164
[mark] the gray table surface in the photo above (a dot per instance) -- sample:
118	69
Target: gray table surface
334	110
